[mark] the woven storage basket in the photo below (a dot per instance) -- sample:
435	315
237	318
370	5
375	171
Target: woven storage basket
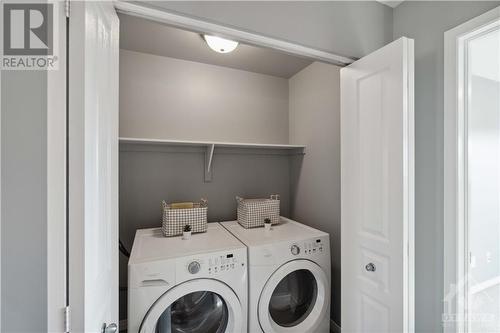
174	219
253	212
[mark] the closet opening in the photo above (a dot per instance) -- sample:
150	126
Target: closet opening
195	123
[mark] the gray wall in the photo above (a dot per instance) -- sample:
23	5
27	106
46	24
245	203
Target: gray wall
426	22
167	98
23	201
349	28
150	174
315	182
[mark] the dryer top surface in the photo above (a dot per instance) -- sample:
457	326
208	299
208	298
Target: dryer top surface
287	230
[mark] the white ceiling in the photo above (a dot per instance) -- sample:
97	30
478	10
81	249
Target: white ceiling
140	35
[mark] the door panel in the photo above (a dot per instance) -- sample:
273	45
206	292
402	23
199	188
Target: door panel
377	186
93	165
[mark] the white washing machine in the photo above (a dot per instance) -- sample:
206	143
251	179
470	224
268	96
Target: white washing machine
289	277
197	285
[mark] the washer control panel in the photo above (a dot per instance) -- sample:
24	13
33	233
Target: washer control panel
222	263
218	263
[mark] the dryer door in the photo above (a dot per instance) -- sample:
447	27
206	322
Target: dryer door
295	298
196	306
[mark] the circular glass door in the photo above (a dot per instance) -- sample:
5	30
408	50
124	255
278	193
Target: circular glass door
196	306
197	312
295	298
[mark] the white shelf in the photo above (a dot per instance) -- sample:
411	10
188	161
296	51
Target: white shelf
210	148
210	143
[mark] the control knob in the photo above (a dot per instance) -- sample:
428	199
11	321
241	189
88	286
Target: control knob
295	250
194	267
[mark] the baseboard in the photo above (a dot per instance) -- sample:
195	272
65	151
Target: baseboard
334	328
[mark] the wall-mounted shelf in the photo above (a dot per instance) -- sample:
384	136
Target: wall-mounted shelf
210	148
210	143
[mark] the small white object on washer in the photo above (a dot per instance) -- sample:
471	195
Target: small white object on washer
195	285
289	277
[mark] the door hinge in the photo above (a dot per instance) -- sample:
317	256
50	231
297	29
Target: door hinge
66	7
67	320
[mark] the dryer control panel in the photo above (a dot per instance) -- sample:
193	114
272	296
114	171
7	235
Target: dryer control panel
306	248
316	249
313	246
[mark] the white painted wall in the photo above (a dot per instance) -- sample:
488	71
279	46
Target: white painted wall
315	183
167	98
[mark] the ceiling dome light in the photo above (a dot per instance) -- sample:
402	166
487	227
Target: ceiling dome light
219	44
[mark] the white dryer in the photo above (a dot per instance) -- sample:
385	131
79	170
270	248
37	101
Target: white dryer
197	285
289	277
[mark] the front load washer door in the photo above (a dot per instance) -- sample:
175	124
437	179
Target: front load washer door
196	306
294	299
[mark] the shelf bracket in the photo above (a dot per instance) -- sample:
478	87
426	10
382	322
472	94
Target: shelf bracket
209	155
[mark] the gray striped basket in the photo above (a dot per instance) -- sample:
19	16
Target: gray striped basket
174	220
253	212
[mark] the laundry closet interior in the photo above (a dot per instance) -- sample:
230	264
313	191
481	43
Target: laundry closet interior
195	123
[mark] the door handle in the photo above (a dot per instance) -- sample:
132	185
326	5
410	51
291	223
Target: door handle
111	328
154	283
371	267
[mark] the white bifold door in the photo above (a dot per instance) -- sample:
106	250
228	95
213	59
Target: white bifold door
377	191
93	166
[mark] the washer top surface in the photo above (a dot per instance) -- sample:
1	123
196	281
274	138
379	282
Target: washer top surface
286	230
151	245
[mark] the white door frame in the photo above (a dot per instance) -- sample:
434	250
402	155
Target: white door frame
56	180
455	166
86	30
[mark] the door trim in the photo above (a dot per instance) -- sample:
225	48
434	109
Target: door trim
235	320
455	136
79	231
204	26
56	182
319	308
409	183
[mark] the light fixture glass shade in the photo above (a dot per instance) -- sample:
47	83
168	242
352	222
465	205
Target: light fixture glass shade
219	44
